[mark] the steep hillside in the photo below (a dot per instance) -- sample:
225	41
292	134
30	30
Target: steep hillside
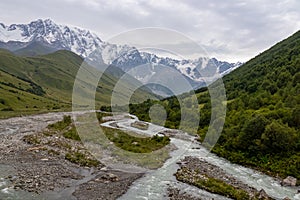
262	125
26	82
19	96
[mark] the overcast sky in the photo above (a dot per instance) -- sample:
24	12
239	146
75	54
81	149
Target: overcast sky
232	30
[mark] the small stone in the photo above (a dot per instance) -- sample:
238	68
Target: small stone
16	187
263	194
111	175
13	178
104	169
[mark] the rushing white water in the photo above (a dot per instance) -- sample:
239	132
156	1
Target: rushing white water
255	179
154	184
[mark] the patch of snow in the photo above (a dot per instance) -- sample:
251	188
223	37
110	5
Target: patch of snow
7	35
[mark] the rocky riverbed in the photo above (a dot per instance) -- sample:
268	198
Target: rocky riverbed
38	163
197	172
107	185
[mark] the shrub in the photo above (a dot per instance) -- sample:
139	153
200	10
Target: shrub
81	159
72	134
61	125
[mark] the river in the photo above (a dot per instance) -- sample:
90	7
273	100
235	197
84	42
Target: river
155	182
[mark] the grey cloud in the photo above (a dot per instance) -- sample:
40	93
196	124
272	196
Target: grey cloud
234	29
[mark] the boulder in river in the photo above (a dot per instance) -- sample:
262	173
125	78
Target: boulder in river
289	181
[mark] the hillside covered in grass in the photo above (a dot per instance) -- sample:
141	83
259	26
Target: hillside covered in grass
262	125
45	83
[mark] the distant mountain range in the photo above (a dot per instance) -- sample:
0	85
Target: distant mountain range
45	36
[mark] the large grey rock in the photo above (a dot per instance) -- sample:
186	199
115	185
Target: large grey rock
289	181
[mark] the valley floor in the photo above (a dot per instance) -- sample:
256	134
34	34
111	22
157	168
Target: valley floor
31	171
33	165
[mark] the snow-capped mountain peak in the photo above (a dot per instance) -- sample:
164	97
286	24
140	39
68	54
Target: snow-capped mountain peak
17	37
80	41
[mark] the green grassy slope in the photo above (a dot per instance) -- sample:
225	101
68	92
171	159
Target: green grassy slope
262	125
50	79
17	97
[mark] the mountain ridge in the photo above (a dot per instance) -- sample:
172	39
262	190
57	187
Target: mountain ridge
45	36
